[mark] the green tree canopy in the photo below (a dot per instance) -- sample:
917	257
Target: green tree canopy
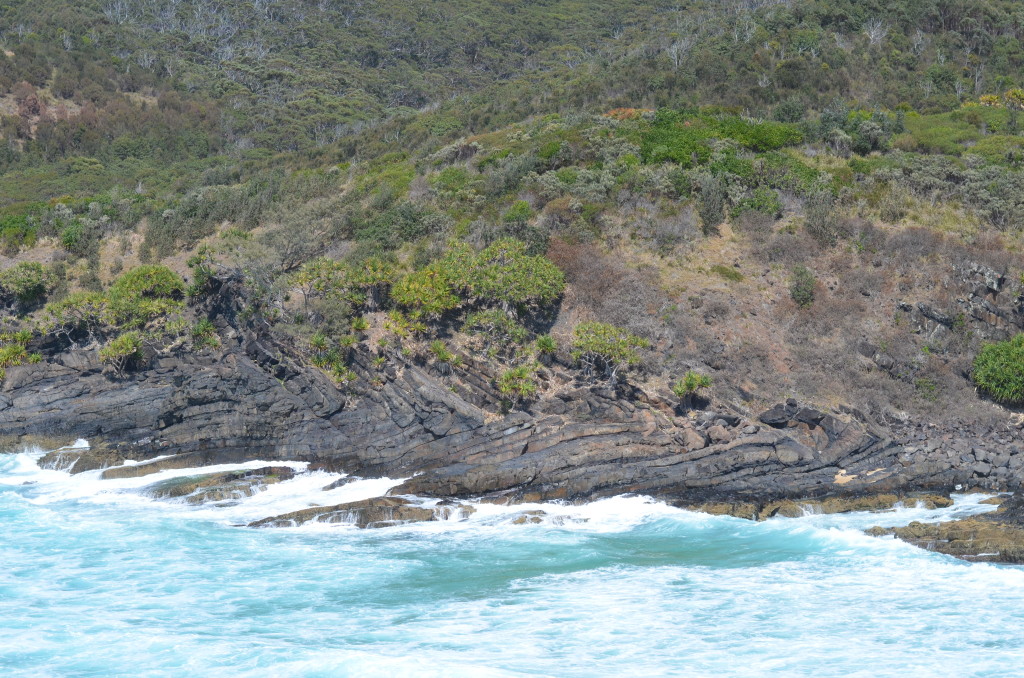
142	294
506	276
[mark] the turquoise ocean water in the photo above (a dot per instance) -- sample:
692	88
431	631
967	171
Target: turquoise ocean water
97	579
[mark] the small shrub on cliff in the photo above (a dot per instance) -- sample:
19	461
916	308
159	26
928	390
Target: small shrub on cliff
12	355
123	352
821	222
343	376
801	286
202	265
77	313
373	278
711	204
999	371
546	344
403	326
496	329
517	385
546	347
318	343
605	349
690	385
204	335
27	282
444	359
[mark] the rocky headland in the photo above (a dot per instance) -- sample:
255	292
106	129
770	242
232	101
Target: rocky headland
448	434
249	400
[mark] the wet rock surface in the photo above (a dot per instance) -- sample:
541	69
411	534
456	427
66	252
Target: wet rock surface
795	508
991	537
370	513
220	487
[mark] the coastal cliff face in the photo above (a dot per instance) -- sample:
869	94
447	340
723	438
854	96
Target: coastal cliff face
251	401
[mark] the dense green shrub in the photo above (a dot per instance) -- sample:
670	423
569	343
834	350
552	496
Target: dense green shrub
143	294
519	212
123	352
430	292
605	349
727	272
148	282
999	371
689	386
14	353
683	136
505	275
801	286
518	384
27	282
763	200
16	232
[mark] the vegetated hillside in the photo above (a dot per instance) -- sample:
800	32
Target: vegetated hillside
639	245
838	220
302	74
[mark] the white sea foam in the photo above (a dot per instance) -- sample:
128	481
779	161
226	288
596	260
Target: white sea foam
51	486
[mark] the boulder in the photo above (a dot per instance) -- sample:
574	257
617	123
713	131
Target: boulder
719	434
